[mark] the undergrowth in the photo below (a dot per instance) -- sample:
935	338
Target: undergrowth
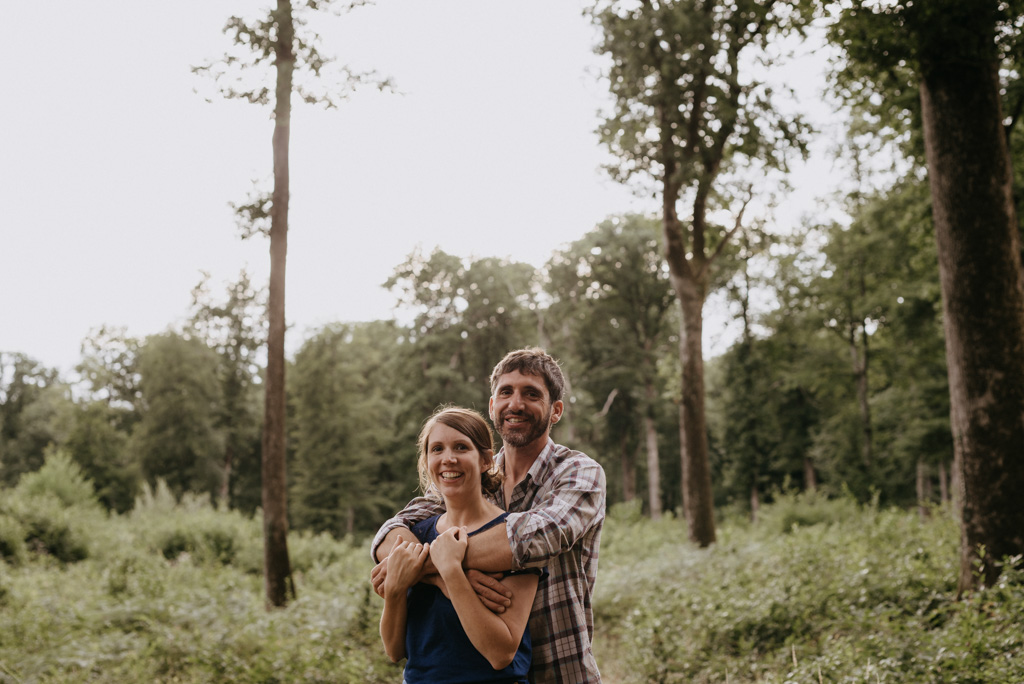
854	594
817	591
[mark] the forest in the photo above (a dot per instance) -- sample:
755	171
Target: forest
846	469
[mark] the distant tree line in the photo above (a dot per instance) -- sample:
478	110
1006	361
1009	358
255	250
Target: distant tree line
784	401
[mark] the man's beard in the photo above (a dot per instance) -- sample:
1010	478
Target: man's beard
519	438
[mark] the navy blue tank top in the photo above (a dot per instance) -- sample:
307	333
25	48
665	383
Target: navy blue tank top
437	646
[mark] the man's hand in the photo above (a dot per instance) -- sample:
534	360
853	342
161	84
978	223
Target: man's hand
378	576
407	566
492	593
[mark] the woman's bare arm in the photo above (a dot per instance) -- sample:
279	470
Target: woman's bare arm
406	563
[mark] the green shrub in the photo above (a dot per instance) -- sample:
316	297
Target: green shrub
12	540
5	589
61	478
49	527
791	511
193	529
861	595
132	572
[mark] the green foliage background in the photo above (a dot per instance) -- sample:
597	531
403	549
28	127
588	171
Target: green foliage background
818	590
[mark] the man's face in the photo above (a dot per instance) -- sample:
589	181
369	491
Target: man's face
521	409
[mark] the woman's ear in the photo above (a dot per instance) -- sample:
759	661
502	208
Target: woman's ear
486	460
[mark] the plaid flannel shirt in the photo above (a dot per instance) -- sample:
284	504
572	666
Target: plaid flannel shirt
555	520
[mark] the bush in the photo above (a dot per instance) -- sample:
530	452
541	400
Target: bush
788	512
61	478
860	595
50	528
12	540
193	529
131	572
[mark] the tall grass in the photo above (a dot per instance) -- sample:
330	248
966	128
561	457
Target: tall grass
817	591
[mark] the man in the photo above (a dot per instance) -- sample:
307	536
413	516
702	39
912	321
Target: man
556	502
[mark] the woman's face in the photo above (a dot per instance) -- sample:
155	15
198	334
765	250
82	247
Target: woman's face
453	462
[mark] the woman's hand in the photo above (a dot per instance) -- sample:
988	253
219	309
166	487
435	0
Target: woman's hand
449	549
405	566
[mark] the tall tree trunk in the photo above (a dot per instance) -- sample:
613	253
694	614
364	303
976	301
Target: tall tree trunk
697	502
225	481
653	464
689	280
277	567
859	361
568	420
755	502
810	475
980	269
628	470
922	488
943	484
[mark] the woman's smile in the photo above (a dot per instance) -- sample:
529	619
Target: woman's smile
452	459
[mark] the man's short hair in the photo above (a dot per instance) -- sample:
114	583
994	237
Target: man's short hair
532	361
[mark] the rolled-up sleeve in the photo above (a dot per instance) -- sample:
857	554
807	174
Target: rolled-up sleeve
563	513
416	510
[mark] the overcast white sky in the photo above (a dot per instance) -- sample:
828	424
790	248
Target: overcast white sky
115	176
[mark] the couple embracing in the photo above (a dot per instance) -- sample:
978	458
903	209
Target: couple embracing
489	576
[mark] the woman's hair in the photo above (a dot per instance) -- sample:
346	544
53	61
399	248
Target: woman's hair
472	425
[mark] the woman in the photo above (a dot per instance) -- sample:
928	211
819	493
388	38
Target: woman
454	639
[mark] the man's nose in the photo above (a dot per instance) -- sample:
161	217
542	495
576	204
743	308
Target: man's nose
515	402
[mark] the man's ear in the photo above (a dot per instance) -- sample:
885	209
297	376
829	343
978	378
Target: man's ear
490	407
556	411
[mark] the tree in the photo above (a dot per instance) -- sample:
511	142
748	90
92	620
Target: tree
273	40
100	448
684	117
349	472
235	328
612	287
35	412
108	367
469	314
177	438
955	50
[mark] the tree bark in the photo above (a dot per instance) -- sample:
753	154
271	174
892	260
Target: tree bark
653	461
943	484
628	471
277	567
225	481
921	488
689	280
980	269
810	475
859	362
697	502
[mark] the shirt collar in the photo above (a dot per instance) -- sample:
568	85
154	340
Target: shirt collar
541	467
